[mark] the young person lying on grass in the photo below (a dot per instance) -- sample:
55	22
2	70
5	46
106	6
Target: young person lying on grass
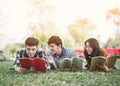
91	50
31	51
61	57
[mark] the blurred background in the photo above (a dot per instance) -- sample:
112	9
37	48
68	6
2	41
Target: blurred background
73	20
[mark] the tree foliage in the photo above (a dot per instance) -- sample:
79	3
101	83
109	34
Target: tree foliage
114	16
44	33
43	28
79	30
11	49
112	43
68	41
42	11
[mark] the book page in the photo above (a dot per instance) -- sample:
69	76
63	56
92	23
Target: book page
96	60
39	64
111	61
26	63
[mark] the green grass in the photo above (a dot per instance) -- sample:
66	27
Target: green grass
57	78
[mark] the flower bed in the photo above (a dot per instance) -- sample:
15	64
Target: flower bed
110	51
113	51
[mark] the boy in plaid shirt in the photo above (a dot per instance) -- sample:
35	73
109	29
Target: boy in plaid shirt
30	51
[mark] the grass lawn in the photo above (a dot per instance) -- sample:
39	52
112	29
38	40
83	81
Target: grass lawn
57	78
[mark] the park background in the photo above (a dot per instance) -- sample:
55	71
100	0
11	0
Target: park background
73	20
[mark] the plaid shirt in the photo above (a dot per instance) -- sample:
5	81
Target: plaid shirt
22	53
66	53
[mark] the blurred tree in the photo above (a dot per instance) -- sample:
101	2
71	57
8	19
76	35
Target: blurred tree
44	27
68	41
41	13
2	21
11	49
80	30
114	16
41	5
41	36
44	33
112	43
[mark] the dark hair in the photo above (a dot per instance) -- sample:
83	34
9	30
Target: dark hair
97	51
55	40
94	45
31	41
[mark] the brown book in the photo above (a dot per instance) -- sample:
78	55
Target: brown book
110	62
96	60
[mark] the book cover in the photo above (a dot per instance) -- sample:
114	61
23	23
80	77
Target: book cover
70	62
96	60
111	61
37	63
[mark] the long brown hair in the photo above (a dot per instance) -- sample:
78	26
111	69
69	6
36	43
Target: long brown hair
95	46
97	51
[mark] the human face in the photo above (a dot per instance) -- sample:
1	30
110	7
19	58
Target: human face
31	50
54	48
88	48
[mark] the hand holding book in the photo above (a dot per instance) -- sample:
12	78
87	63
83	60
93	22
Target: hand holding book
103	66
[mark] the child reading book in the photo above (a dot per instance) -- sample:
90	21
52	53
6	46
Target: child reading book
92	50
30	57
59	56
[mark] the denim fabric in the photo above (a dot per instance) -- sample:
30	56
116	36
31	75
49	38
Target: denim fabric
66	53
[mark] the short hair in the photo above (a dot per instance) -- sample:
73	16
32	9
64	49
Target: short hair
31	41
55	40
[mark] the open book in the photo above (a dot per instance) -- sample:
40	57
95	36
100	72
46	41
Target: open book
110	62
96	60
68	62
38	64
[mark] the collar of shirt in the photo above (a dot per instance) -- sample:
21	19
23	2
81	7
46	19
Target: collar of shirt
63	53
25	54
89	56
